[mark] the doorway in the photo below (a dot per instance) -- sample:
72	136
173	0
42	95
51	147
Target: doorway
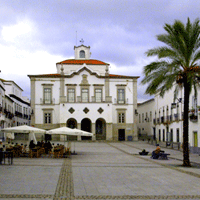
86	126
121	134
100	129
195	139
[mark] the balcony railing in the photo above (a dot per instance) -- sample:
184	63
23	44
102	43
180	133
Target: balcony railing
194	118
42	101
18	114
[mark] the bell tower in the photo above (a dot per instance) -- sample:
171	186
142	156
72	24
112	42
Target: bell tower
82	52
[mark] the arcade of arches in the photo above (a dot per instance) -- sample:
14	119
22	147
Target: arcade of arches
86	125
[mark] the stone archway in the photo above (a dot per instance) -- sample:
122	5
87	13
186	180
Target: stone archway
86	125
71	123
100	128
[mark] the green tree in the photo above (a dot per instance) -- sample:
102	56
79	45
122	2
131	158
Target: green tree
177	62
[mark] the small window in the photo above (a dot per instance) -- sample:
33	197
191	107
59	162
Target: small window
85	95
82	54
47	118
121	96
47	95
150	117
98	95
121	118
71	95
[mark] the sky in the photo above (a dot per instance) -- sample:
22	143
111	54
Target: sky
36	34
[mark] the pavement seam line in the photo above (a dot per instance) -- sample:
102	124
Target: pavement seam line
138	197
65	186
26	196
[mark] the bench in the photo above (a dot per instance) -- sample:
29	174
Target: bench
163	156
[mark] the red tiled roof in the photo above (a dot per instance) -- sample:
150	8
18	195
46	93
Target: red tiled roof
121	76
45	75
59	75
81	62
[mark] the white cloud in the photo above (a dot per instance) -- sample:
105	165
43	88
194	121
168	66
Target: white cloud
14	32
17	61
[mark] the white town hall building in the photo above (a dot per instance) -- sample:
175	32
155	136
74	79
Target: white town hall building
84	95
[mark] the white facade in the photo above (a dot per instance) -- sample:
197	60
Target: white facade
14	108
146	114
84	95
167	123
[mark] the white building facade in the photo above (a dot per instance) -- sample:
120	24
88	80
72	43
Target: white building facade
167	115
15	109
146	115
84	95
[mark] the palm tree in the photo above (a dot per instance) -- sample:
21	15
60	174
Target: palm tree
177	63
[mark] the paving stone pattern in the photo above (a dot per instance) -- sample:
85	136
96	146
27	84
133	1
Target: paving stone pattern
101	170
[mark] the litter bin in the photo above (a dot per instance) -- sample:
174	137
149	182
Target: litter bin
167	143
129	138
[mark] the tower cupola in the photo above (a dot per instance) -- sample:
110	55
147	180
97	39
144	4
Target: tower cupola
82	52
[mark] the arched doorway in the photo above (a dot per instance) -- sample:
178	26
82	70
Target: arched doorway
100	129
86	126
71	123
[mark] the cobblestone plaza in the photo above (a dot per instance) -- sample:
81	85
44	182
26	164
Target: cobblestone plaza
102	170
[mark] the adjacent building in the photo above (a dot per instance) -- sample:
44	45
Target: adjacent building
162	119
14	108
84	95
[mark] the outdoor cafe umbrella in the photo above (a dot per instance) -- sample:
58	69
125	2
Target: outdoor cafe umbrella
25	129
69	131
10	136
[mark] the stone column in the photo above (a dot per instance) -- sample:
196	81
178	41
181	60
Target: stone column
135	135
107	86
62	86
33	102
79	127
109	132
93	131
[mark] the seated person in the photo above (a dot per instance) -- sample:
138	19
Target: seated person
155	154
38	144
24	148
8	147
49	146
31	145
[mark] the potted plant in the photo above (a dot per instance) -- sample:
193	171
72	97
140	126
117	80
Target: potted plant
143	152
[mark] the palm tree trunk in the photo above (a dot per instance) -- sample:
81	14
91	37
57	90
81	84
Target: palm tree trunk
186	161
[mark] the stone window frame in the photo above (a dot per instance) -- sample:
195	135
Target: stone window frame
48	111
71	86
120	87
85	88
96	87
48	86
121	111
